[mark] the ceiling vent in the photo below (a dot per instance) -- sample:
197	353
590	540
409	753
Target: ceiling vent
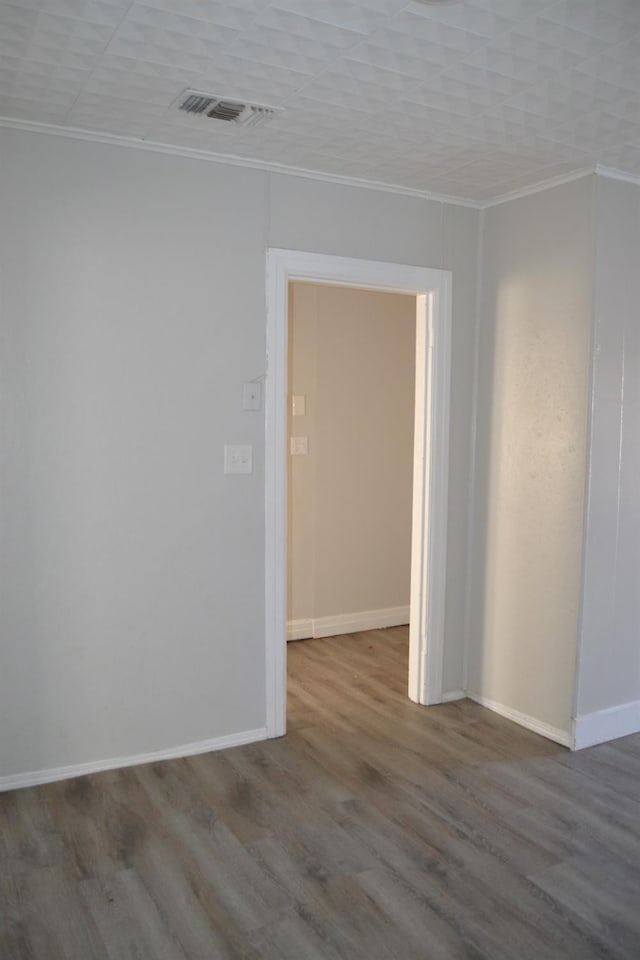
219	108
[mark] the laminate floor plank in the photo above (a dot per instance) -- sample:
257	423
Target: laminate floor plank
375	829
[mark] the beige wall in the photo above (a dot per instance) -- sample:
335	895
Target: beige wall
533	376
352	355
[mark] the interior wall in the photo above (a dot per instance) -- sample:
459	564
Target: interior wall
533	377
609	665
352	356
132	305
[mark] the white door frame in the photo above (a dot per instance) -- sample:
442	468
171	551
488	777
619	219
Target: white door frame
430	466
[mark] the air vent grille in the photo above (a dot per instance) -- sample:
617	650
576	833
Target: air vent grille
230	111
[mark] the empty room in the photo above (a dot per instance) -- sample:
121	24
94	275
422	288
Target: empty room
254	704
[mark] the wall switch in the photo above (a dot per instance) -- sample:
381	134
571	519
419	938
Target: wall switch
252	395
298	405
299	446
238	458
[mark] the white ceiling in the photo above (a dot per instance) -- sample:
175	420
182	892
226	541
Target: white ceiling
473	99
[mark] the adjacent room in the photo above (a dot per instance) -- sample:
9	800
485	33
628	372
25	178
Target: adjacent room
351	399
319	514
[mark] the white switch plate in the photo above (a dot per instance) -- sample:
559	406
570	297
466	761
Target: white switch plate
299	446
238	458
298	405
252	395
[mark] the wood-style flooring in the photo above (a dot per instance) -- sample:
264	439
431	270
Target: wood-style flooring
376	829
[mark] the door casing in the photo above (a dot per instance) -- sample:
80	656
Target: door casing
432	289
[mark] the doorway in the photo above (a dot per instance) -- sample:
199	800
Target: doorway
351	419
432	291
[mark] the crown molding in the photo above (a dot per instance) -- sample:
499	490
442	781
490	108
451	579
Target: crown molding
612	174
77	133
539	187
111	139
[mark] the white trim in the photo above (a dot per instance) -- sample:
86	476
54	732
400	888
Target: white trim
348	623
300	630
430	494
612	174
32	779
452	695
544	729
473	444
538	187
432	289
609	724
114	140
117	140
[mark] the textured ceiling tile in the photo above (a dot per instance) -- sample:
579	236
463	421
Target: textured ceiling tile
598	19
344	83
547	152
264	83
37	111
327	38
476	17
170	39
567	97
236	16
470	96
427	31
514	10
279	49
104	10
58	85
505	124
345	72
94	36
143	19
523	57
361	16
590	133
454	105
558	43
210	9
19	18
101	106
406	55
611	68
627	109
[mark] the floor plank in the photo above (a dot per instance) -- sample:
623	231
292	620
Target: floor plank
375	829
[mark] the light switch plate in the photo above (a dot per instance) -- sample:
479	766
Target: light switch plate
238	458
298	405
299	446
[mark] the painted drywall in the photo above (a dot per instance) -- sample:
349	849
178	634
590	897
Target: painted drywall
533	387
352	356
609	662
132	304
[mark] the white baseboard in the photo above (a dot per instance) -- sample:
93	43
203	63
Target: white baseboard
299	629
347	623
32	779
453	695
544	729
606	725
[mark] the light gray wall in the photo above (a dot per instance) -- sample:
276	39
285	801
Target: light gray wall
352	354
533	383
609	664
132	305
131	570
